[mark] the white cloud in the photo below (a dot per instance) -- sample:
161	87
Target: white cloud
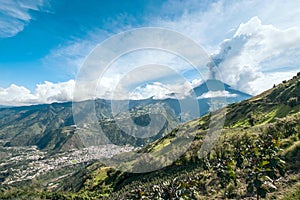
267	80
159	90
15	95
55	92
15	15
218	20
267	39
156	90
45	93
144	66
70	56
49	92
245	61
213	94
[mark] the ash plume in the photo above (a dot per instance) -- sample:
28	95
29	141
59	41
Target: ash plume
228	50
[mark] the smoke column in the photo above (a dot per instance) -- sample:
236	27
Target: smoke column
229	49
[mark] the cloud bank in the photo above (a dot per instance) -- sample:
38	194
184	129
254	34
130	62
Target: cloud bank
45	93
49	92
240	59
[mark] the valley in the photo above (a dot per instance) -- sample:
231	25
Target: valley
21	164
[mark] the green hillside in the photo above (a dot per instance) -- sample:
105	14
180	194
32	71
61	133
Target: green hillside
275	113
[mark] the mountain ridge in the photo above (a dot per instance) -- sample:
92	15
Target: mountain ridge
34	125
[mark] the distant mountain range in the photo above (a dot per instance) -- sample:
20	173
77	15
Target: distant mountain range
51	126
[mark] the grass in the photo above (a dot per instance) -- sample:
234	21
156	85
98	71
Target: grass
99	175
161	145
292	193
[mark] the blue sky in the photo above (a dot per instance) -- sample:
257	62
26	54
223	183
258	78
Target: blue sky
57	23
43	43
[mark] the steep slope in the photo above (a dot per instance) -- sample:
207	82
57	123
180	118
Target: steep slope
277	102
275	112
48	126
268	107
26	126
